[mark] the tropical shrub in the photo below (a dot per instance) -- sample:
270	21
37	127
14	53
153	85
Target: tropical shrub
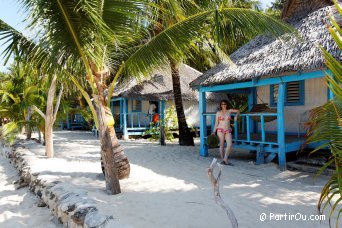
170	125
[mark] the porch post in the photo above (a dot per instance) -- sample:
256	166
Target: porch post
161	111
121	113
161	124
68	122
203	124
281	127
125	109
251	101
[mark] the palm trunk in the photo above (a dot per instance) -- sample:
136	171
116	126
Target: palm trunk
28	128
50	116
185	136
49	119
115	164
111	173
39	135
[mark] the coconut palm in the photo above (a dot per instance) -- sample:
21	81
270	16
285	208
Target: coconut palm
326	126
174	11
19	90
92	36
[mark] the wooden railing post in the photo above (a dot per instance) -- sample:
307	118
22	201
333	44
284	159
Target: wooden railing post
248	126
236	129
281	127
203	124
263	136
125	109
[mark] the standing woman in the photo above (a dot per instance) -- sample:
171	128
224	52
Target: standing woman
224	131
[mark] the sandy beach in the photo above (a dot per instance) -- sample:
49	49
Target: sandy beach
169	187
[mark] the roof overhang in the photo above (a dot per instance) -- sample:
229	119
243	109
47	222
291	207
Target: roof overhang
265	81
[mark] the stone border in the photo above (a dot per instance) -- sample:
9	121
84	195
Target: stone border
73	209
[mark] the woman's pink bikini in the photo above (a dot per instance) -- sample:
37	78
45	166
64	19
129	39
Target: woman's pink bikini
228	131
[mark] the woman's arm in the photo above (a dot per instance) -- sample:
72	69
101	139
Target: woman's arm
216	123
237	111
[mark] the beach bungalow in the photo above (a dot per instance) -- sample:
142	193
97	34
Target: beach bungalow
283	80
131	103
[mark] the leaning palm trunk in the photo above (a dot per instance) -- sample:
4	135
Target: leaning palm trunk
115	164
185	136
114	161
109	143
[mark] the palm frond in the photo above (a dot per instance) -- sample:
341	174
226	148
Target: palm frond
174	41
326	126
16	42
87	98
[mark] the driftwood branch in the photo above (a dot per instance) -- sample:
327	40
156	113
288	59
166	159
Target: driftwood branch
215	182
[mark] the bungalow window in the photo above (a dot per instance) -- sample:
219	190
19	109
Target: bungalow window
136	106
294	93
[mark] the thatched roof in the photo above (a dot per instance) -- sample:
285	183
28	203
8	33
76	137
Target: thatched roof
300	8
267	57
159	86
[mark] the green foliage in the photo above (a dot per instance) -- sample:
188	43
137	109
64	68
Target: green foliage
275	9
19	90
325	126
171	121
170	125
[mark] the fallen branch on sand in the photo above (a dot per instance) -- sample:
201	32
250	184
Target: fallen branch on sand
215	182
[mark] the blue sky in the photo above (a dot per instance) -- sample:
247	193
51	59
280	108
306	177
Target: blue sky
12	14
266	3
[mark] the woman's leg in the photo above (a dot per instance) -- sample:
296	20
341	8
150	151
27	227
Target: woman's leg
228	138
221	137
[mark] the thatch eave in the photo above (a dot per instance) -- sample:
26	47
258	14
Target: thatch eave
265	57
159	86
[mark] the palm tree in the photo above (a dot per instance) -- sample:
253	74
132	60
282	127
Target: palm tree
172	11
325	125
19	91
87	40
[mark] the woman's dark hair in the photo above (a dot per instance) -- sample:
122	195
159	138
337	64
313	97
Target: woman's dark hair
223	101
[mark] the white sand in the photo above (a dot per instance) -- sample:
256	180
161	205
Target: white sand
169	187
18	208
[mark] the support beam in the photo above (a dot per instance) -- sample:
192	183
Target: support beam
248	124
161	111
125	111
260	155
252	100
281	127
203	124
121	113
68	123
